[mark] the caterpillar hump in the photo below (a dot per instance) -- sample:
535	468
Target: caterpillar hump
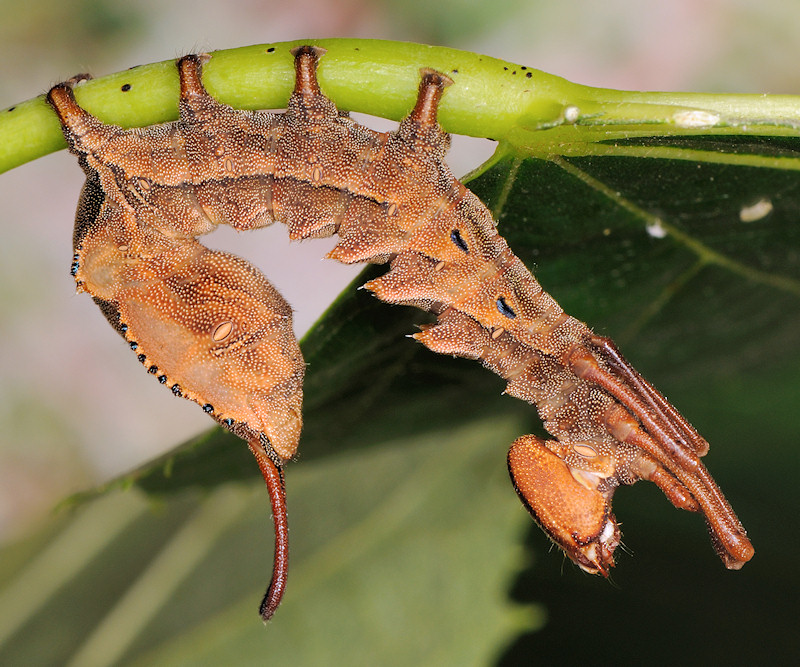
210	326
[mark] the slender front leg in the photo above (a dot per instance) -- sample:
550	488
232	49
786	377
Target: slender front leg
645	419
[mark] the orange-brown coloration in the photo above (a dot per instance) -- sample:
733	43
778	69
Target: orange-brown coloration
571	507
211	327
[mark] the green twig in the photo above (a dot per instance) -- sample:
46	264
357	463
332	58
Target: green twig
533	111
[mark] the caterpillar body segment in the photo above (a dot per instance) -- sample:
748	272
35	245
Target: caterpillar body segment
211	327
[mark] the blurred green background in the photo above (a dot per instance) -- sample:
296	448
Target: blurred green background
67	390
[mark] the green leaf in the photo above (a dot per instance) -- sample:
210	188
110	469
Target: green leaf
674	233
398	542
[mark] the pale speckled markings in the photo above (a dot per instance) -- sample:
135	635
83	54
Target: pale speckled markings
211	327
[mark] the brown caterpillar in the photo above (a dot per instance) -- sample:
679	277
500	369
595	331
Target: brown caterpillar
209	325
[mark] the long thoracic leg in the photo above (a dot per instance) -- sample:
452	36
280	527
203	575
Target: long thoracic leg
727	534
671	420
645	419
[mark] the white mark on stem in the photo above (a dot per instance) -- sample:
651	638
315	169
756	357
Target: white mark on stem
571	114
695	118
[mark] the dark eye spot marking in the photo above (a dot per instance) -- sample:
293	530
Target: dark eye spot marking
455	237
505	309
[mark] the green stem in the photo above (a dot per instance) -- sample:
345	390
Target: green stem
529	109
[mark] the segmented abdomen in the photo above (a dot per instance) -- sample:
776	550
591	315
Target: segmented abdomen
388	198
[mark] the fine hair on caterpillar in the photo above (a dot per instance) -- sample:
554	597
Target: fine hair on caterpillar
209	325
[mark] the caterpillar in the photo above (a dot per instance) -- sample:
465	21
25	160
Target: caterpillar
209	325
